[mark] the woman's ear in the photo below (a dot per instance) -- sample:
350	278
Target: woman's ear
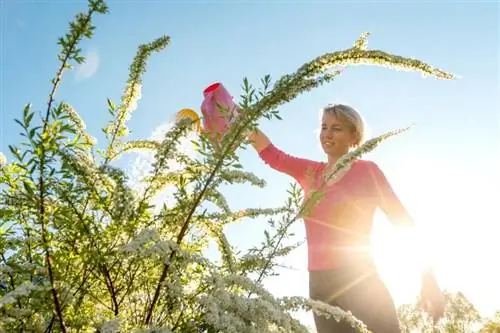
355	140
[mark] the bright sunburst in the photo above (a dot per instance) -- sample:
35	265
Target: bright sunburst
454	233
399	259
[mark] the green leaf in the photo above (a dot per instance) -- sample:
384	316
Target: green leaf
28	187
29	118
20	123
32	133
26	109
111	105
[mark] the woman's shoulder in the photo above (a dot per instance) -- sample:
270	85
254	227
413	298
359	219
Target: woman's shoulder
363	163
367	166
368	169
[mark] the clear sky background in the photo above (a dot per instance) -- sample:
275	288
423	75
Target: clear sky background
445	169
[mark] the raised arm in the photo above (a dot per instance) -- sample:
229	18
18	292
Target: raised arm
259	140
280	161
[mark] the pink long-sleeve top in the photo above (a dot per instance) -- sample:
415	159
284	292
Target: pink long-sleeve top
338	227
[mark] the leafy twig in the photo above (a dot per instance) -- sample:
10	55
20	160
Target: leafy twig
80	28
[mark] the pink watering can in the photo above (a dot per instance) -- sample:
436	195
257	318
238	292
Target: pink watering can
218	110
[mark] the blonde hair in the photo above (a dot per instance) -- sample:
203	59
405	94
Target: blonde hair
352	117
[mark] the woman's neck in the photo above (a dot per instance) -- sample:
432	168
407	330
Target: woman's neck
332	159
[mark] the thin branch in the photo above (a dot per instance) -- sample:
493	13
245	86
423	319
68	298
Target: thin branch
102	268
67	55
187	221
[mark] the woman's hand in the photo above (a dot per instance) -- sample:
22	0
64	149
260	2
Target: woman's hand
259	140
431	296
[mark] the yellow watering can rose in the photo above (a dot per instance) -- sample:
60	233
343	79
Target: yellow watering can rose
189	114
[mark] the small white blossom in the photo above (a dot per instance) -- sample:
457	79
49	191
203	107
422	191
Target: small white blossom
28	266
6	269
22	290
149	244
134	93
323	309
144	164
111	326
152	330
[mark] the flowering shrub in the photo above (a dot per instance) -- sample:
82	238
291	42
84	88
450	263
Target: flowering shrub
81	250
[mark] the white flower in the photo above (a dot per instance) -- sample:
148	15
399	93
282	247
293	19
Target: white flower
22	290
152	330
111	326
134	92
143	165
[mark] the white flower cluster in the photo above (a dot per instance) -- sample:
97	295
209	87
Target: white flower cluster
346	160
244	313
6	269
22	290
238	176
323	309
111	326
117	128
85	164
152	330
134	94
3	160
79	124
148	243
86	157
123	202
143	165
26	266
342	166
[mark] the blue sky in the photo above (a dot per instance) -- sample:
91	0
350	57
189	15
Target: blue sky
443	169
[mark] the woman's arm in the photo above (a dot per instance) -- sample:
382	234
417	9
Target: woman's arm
259	140
388	200
432	299
295	167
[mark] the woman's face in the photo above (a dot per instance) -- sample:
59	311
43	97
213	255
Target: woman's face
336	135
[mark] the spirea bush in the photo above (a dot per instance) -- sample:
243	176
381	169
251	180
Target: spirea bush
81	250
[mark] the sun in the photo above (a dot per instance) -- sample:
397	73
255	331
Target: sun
401	253
443	236
455	236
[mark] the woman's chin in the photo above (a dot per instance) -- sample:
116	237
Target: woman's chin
334	153
326	149
329	150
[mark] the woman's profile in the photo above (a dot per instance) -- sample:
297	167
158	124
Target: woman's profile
341	270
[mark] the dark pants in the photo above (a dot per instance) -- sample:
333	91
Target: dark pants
356	288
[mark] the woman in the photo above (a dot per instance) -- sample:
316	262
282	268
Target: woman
341	271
